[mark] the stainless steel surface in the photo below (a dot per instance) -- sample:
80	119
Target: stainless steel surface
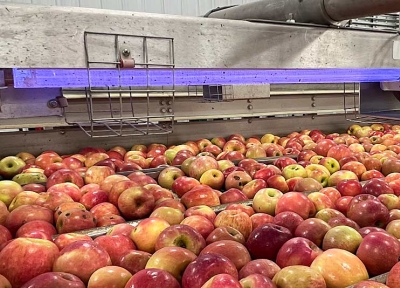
35	36
71	140
308	11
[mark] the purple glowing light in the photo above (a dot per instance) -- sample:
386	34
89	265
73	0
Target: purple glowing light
74	78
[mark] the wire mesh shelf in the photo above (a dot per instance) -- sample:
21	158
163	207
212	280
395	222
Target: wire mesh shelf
125	111
211	93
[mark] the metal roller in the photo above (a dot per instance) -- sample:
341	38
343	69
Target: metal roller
307	11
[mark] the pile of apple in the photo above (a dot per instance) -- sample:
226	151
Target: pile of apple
311	223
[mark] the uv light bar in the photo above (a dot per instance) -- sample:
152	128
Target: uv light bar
74	78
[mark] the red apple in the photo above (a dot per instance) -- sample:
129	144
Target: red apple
134	260
136	203
37	225
200	195
201	210
295	202
149	278
200	165
63	176
115	246
200	224
222	280
64	240
237	179
54	280
264	267
45	159
377	187
350	187
342	221
225	233
74	220
236	219
184	184
367	210
146	233
97	174
297	251
232	195
313	229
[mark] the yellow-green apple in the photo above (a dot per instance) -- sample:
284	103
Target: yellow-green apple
365	131
367	175
168	175
74	220
27	213
82	258
323	146
225	233
225	164
69	176
297	251
232	195
118	188
136	147
109	182
174	203
222	280
316	159
38	226
186	164
340	221
319	173
206	266
233	250
257	280
236	219
110	276
267	138
22	198
313	229
263	267
27	157
213	178
103	209
340	175
391	201
133	260
183	236
294	170
171	259
64	240
340	268
201	210
366	230
91	199
53	280
115	246
377	148
393	228
97	174
367	210
237	179
108	220
70	189
342	237
394	214
255	151
330	163
8	190
146	233
184	184
149	278
200	195
172	215
321	201
136	203
219	141
299	276
200	224
265	241
295	202
265	200
45	159
11	166
3	213
353	128
200	165
379	252
328	213
37	257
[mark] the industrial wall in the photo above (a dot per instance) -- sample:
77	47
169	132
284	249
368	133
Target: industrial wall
177	7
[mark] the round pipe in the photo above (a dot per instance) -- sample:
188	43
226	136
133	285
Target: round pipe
308	11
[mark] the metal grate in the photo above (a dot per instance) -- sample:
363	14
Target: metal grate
112	111
390	21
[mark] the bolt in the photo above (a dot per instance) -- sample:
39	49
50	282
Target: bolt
250	121
62	132
126	52
313	117
313	105
169	102
250	107
162	102
52	103
313	98
248	100
163	110
170	110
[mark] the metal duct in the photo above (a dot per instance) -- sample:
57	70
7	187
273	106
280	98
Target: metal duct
308	11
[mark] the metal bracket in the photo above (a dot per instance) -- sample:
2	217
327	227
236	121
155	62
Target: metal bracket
2	80
126	59
390	86
396	50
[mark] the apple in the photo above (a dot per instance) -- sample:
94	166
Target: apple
26	266
265	241
68	188
219	141
37	225
313	229
65	175
367	210
328	213
108	220
241	207
54	280
27	157
159	192
350	187
82	258
206	266
265	200
136	203
340	175
237	179
307	185
366	230
225	233
297	251
393	228
107	184
201	210
149	278
288	219
379	252
145	234
265	173
213	178
390	165
393	277
115	246
370	284
340	268
235	219
159	161
133	260
182	155
263	267
35	187
97	174
64	240
342	237
340	221
66	206
200	224
8	190
110	276
26	213
391	201
11	166
51	168
46	158
330	163
171	259
91	199
277	182
295	202
222	280
299	276
377	187
282	162
168	175
5	235
323	146
74	220
22	198
52	200
200	165
232	195
184	184
200	195
173	203
320	201
172	215
294	170
306	155
225	164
